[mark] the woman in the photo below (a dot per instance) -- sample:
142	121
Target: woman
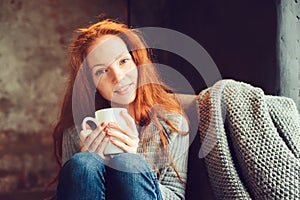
110	66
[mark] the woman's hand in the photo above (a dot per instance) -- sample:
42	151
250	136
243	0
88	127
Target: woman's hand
94	140
127	140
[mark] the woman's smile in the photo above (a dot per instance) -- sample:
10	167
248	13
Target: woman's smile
121	90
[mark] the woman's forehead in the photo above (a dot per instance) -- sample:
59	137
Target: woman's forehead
107	49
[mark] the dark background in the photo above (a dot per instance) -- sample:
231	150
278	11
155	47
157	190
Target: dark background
239	35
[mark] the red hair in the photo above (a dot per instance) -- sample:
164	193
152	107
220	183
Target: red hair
147	97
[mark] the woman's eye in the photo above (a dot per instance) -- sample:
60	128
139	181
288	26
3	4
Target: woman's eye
123	61
100	71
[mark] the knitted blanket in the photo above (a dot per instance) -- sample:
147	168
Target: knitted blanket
250	142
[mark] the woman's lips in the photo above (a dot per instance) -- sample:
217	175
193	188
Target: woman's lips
123	89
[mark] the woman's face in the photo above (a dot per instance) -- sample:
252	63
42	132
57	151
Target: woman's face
113	70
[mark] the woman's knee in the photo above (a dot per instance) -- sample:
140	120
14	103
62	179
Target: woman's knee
83	174
128	162
84	162
130	177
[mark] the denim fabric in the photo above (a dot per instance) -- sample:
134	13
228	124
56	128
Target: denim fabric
127	176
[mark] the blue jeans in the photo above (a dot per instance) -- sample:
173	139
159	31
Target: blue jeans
126	176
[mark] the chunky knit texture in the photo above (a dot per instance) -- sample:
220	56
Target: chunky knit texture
170	185
250	142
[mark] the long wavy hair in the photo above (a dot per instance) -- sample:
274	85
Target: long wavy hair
86	98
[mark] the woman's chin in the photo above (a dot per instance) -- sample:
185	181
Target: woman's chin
122	101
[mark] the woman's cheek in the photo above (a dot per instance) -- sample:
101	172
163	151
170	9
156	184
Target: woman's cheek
106	91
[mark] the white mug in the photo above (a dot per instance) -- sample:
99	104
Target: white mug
108	115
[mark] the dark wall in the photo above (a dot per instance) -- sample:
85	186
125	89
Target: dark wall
34	39
239	35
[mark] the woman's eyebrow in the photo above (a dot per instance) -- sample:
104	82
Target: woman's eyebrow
106	65
99	65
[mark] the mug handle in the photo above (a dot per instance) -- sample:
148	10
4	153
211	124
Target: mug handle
86	119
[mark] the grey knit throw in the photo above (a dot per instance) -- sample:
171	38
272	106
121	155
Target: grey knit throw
250	142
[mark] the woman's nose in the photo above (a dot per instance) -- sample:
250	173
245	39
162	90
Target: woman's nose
116	73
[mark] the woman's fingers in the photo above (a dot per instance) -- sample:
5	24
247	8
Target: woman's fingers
98	141
87	126
122	139
123	146
119	144
126	138
91	137
84	134
94	141
131	133
82	147
122	136
101	147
